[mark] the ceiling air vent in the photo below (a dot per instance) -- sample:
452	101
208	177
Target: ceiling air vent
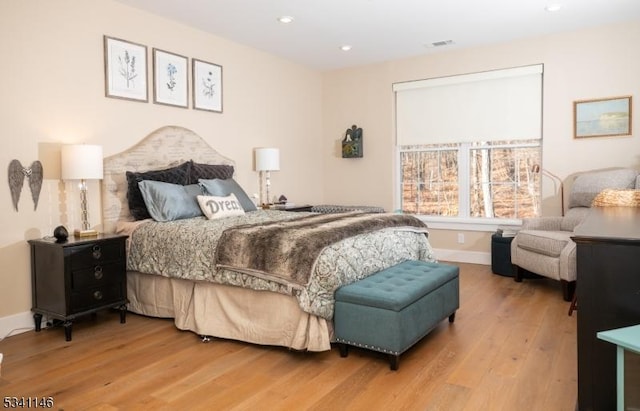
441	43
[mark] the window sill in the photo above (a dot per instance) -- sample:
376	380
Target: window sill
471	224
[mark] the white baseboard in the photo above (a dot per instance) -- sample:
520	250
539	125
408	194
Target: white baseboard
16	324
461	256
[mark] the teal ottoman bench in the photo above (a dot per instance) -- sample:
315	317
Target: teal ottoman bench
393	309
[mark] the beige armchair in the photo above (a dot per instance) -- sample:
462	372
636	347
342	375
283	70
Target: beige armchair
543	245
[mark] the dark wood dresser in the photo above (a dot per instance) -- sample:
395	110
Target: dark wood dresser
608	289
78	277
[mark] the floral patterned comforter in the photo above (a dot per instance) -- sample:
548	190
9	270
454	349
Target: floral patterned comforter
184	249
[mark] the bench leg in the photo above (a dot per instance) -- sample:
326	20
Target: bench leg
394	362
344	350
452	317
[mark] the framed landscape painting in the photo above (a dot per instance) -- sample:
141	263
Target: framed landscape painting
170	79
125	69
207	86
602	117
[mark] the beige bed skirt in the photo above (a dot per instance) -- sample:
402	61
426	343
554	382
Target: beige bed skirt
258	317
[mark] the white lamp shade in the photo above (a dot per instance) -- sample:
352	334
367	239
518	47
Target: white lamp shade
81	162
267	159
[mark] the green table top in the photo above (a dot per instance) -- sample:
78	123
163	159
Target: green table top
627	337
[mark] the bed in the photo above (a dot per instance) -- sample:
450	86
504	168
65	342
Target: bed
213	296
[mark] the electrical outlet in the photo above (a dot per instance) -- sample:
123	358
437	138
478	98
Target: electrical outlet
460	238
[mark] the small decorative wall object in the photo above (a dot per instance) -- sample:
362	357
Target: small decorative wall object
170	83
125	69
17	174
352	143
207	86
602	117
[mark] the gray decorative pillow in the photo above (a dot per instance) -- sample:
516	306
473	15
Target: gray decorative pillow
587	186
175	175
168	202
209	171
222	188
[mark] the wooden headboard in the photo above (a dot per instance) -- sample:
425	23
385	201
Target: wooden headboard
166	147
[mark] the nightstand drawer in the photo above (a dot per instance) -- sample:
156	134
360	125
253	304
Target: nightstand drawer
97	276
96	253
95	297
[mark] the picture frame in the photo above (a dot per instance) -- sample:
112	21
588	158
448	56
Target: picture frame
603	117
207	86
125	70
170	79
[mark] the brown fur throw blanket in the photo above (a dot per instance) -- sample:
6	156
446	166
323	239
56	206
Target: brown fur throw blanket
285	251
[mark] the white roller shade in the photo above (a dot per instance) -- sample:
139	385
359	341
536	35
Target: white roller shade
494	105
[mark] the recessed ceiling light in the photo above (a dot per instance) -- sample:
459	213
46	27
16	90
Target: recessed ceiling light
553	7
346	47
285	19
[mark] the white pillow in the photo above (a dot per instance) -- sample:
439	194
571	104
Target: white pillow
220	207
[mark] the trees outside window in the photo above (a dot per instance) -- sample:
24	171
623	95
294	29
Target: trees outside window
477	180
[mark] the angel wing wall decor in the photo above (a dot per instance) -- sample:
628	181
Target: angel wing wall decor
17	174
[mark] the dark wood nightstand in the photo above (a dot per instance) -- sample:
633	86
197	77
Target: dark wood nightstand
78	277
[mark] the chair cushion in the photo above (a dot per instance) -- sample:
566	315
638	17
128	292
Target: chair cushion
549	243
573	217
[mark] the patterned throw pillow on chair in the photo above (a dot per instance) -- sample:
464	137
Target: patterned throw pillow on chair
220	207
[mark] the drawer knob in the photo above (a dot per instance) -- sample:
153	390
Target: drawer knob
97	272
97	295
97	252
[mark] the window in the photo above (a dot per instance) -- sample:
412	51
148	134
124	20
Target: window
499	176
469	145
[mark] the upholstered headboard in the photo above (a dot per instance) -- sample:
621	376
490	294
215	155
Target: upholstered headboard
168	146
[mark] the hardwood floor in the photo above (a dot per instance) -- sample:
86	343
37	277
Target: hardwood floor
512	347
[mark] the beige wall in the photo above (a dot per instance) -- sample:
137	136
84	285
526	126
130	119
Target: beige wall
594	63
53	92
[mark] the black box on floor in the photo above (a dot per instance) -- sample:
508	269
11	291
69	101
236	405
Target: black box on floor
501	255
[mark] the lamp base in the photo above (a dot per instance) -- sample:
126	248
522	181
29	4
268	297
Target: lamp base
85	233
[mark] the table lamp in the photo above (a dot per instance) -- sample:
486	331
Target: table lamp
82	162
267	160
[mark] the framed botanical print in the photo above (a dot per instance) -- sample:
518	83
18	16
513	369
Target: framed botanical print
602	117
170	79
125	69
207	86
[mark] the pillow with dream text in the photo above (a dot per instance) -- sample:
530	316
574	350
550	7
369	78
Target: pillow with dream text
168	202
215	207
218	187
